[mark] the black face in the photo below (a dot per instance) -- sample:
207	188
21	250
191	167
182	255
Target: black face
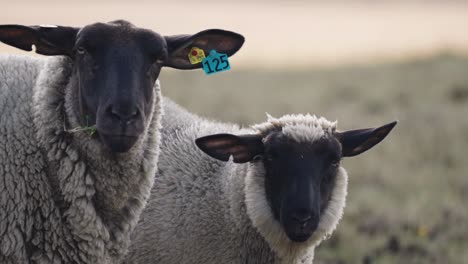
299	177
115	67
299	181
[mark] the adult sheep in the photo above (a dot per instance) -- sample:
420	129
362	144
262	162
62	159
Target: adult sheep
79	135
281	193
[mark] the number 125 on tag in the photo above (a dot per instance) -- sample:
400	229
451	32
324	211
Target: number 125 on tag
217	63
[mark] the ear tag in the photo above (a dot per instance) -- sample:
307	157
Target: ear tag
196	55
216	62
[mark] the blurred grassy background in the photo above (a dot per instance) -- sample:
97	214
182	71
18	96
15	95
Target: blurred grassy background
362	63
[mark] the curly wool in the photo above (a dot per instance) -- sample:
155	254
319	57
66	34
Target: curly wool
65	199
301	128
206	211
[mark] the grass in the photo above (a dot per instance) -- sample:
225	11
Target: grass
407	197
88	129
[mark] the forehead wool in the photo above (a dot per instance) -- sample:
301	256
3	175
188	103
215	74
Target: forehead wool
301	128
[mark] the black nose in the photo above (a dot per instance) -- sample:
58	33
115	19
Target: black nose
125	115
302	216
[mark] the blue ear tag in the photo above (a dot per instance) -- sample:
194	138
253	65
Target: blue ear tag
215	62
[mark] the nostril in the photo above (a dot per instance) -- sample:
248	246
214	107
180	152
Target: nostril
302	216
115	115
123	115
111	112
131	116
134	114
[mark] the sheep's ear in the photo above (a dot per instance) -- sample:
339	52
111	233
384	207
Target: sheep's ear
179	46
48	40
222	146
355	142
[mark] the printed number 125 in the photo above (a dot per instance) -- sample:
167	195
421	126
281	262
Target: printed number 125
217	64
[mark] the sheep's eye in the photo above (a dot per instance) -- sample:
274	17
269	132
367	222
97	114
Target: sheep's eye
159	60
335	163
159	57
257	158
81	50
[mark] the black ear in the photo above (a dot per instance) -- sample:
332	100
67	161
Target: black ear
222	146
48	40
355	142
221	41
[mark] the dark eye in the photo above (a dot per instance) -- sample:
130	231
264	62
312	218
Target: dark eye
160	60
335	163
257	158
158	56
81	50
161	57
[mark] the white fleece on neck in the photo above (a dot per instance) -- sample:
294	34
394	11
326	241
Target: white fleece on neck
301	128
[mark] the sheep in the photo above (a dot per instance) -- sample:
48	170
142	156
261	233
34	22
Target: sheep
79	135
268	195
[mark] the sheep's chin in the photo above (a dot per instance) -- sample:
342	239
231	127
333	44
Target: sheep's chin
298	234
118	143
299	238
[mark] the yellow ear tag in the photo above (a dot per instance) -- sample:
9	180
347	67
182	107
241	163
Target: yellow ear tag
196	55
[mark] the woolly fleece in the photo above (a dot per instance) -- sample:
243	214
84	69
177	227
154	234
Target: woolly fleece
206	211
64	199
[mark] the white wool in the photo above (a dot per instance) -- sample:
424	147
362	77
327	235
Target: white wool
65	199
208	212
301	128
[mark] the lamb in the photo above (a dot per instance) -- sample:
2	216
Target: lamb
270	194
79	135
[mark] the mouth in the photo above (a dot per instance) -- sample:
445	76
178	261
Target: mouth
300	232
118	143
300	236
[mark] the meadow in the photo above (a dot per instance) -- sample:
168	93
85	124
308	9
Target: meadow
407	200
408	197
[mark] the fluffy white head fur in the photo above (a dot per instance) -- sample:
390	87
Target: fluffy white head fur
302	128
